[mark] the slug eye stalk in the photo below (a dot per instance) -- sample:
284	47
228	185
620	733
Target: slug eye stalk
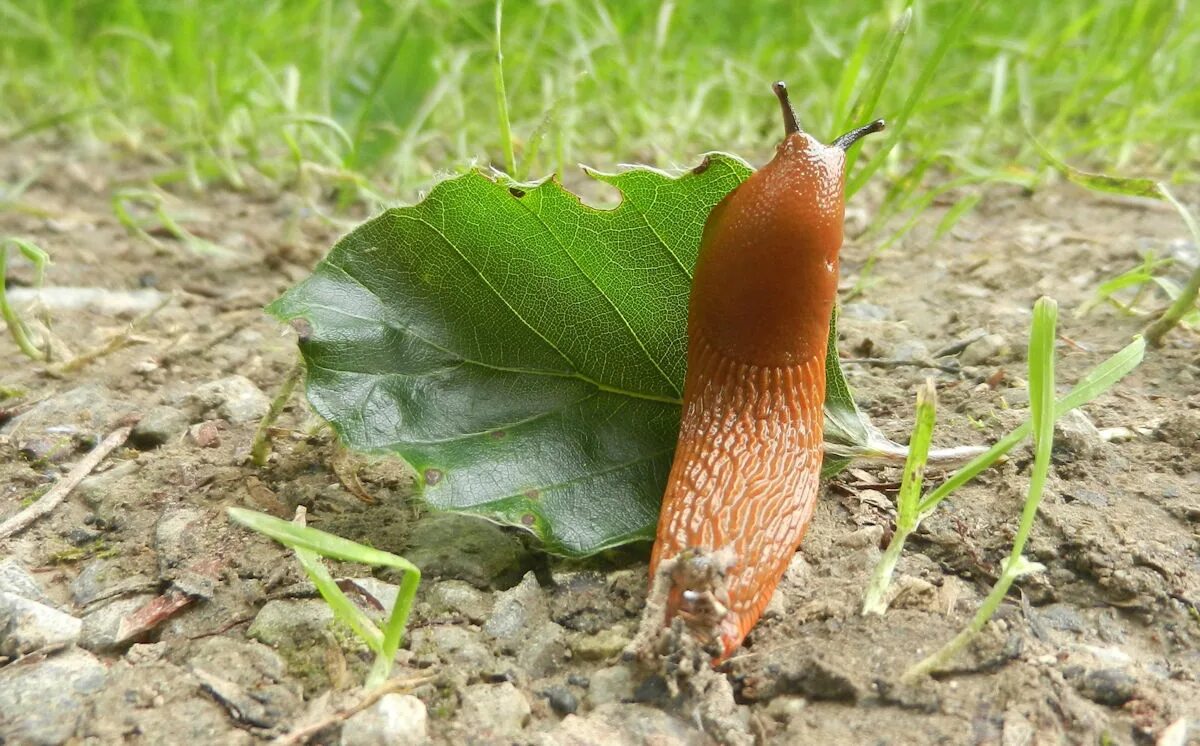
845	141
791	126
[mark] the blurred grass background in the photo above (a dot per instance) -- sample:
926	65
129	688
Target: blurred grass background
387	95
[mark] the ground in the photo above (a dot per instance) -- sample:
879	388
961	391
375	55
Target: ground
202	632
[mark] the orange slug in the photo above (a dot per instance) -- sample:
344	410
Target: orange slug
744	481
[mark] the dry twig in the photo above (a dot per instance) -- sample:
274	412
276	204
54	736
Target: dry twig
56	494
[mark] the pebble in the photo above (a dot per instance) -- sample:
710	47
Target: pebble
461	598
865	311
100	301
604	645
159	426
496	710
103	493
14	578
445	545
235	399
42	703
561	700
453	644
290	623
85	413
911	351
107	628
1075	434
256	669
395	720
26	626
517	611
1107	686
612	684
987	350
615	723
104	578
543	650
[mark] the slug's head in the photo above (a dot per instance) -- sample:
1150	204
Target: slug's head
822	166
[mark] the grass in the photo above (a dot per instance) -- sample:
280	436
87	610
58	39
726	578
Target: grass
912	509
310	545
399	93
16	326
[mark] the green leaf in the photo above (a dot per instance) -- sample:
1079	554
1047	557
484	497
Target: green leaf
524	352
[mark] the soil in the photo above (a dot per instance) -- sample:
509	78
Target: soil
1101	647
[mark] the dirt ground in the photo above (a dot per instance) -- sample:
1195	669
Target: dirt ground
201	632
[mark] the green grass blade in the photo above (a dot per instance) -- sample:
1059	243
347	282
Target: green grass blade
324	544
1097	381
907	501
867	102
899	122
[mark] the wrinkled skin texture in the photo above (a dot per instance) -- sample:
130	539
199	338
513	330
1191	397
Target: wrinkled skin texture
744	481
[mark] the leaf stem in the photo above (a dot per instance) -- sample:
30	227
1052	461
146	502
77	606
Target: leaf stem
260	450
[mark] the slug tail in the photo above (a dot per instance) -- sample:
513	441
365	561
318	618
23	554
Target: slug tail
742	488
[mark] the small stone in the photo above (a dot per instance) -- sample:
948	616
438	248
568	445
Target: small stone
99	490
784	709
1062	617
42	703
235	399
561	700
495	710
911	351
621	723
108	628
290	623
372	591
604	645
395	720
1107	686
865	311
85	414
14	578
1076	435
26	626
517	610
254	676
987	350
543	650
105	578
161	703
159	426
446	545
612	684
453	644
461	598
817	679
583	602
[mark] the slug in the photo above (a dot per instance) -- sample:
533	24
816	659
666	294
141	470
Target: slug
743	484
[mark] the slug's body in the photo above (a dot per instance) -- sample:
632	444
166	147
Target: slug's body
744	481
